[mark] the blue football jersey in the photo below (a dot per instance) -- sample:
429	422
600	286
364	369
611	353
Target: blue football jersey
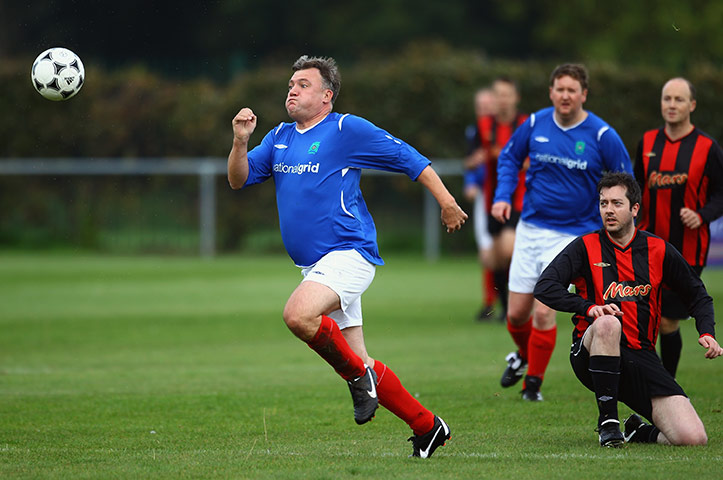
565	166
317	173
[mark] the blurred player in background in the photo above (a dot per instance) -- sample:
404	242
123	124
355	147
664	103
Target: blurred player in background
495	131
680	172
316	164
569	148
618	273
475	173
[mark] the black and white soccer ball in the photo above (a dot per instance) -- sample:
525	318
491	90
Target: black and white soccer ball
57	74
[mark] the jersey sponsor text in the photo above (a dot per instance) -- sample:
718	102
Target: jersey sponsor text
666	180
296	169
618	290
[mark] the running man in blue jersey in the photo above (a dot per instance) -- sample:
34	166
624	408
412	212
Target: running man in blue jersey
316	164
569	150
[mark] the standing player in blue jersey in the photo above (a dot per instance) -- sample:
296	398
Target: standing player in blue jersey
569	149
316	164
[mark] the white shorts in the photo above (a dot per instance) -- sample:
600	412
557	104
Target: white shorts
535	248
481	232
348	274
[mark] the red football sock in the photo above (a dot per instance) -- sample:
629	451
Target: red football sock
521	335
542	343
489	287
395	398
331	345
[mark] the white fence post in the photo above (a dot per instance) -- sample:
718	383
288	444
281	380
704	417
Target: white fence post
206	169
207	208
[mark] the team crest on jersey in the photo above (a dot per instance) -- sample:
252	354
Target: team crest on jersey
580	147
314	148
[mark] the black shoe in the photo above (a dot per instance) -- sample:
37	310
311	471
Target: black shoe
610	434
364	394
485	314
425	445
632	428
516	367
531	392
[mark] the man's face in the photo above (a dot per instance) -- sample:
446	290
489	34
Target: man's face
485	103
675	102
507	97
615	210
567	96
307	96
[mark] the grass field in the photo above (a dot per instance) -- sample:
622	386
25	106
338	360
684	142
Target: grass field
150	367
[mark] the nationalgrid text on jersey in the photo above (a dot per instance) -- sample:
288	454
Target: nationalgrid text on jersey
567	162
296	169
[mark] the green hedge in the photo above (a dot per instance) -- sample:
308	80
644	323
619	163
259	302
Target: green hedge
422	95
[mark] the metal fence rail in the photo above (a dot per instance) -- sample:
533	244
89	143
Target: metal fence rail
206	168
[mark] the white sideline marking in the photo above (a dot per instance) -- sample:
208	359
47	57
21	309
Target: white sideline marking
605	454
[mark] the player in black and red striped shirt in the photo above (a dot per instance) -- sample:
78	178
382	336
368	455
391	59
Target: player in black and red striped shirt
680	172
618	273
495	131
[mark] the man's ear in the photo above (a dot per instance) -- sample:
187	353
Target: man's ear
328	96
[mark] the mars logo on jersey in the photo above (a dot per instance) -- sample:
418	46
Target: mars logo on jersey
666	180
296	169
618	290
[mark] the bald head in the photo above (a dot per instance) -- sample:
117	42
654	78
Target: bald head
677	102
681	82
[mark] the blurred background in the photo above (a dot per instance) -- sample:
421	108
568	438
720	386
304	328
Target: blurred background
135	162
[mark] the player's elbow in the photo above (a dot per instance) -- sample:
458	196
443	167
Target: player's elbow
235	182
541	291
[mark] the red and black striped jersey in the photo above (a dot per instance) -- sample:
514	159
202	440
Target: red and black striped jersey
674	174
632	277
493	137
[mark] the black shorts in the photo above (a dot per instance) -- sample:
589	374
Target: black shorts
495	227
642	377
671	306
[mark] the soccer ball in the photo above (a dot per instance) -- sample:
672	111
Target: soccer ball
57	74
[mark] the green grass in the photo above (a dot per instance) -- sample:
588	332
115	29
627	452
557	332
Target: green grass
158	367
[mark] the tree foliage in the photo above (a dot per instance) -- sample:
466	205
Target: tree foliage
218	38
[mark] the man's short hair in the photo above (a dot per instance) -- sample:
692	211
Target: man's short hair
614	179
327	68
574	70
506	79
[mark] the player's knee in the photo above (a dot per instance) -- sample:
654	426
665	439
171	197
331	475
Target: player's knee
299	324
517	318
543	318
691	437
668	325
607	325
